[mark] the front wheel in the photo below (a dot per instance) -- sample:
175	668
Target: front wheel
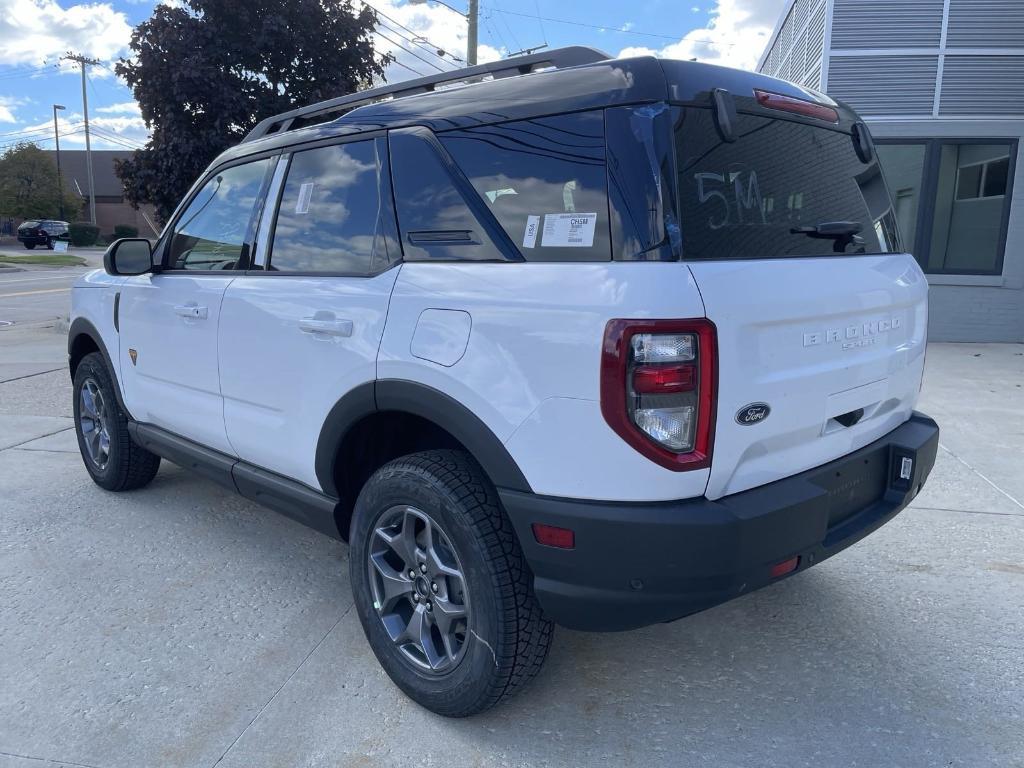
111	457
30	246
441	587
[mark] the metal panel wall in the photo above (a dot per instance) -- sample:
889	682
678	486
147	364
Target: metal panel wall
982	85
986	24
885	85
887	23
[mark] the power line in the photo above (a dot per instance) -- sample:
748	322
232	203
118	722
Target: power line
412	32
413	42
613	28
406	50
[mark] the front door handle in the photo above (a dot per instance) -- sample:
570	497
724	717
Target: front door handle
326	327
192	311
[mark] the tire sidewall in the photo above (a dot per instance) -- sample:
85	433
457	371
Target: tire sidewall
93	367
470	681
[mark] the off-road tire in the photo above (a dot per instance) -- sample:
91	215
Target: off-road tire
508	637
128	465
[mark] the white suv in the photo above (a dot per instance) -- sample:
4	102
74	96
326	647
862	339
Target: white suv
602	345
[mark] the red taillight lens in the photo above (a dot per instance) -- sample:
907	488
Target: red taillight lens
658	388
553	536
796	106
664	379
786	566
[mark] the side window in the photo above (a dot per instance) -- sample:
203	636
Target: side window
334	211
216	230
545	180
435	210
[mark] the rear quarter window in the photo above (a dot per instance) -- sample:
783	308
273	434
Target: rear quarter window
757	197
544	180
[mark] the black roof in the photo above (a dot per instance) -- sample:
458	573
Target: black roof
603	83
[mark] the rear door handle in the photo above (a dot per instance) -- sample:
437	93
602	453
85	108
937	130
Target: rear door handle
192	311
316	325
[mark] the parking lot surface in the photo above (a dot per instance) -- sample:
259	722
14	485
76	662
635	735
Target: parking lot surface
182	626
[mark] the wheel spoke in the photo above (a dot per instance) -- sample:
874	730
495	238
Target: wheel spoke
418	634
402	541
88	403
394	585
446	613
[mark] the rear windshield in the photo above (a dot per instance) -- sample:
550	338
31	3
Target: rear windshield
776	190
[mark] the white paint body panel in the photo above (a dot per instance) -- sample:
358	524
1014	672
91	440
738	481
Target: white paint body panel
92	298
175	382
791	333
531	369
280	382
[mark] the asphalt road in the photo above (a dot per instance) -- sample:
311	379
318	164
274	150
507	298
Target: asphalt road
35	295
180	625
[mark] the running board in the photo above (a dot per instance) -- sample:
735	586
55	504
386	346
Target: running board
281	494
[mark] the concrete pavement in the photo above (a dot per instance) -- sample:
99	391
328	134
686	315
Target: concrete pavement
180	625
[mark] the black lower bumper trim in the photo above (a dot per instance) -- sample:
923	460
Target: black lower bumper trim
636	564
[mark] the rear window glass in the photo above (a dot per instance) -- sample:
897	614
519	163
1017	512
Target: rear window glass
544	180
775	191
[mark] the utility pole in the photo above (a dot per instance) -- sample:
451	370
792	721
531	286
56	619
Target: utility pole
84	61
60	179
474	13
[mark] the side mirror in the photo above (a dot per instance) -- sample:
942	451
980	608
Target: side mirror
128	256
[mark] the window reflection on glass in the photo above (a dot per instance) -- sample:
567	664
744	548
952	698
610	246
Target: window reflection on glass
212	232
330	211
544	180
970	201
903	166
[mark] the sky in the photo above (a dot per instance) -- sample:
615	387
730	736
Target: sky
35	34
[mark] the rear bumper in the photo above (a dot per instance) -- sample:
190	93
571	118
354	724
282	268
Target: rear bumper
638	564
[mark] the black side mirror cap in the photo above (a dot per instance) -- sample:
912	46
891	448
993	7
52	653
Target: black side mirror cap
128	256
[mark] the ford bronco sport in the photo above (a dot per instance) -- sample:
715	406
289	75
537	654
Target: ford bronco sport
559	339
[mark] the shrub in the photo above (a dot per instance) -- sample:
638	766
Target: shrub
125	230
83	233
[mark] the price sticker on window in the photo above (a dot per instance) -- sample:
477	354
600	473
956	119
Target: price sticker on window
568	230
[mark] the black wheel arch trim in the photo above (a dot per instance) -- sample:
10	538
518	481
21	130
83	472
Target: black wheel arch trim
421	400
83	327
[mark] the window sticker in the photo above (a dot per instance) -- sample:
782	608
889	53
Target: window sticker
305	195
494	194
532	226
569	230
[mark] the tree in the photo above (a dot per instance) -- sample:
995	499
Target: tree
206	73
29	186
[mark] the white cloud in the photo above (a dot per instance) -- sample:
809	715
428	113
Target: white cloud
734	37
123	108
7	105
33	31
433	26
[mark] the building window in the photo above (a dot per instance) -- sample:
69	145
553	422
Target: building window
952	200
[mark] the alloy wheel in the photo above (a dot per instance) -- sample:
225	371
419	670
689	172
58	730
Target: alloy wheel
93	421
419	589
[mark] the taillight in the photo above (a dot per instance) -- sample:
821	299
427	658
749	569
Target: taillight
658	388
796	106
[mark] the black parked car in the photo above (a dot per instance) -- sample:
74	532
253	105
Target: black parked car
42	232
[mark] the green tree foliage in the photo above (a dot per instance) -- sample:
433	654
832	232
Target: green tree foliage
206	73
28	185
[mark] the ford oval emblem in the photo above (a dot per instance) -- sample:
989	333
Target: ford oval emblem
752	414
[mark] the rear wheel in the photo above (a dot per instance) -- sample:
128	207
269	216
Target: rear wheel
441	586
112	459
49	243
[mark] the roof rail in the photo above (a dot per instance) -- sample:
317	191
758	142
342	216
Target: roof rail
558	58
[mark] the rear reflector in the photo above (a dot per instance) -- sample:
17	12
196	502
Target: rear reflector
664	379
796	106
786	566
553	536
